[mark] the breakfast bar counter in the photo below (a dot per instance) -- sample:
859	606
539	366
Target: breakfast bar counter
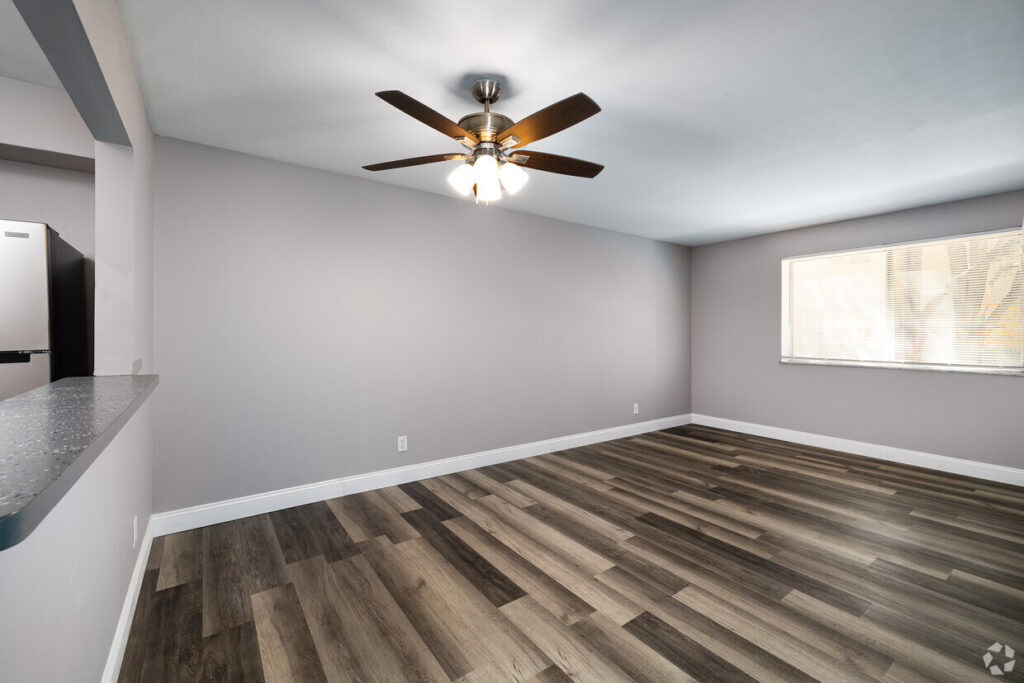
51	435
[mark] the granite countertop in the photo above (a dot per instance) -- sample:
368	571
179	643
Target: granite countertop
49	436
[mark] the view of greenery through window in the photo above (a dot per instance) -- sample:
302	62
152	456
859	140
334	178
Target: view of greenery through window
955	302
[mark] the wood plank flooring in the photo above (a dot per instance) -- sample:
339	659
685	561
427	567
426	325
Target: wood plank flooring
687	554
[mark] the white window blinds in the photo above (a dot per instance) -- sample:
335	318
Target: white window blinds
954	303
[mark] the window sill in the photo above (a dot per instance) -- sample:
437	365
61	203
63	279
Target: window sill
973	370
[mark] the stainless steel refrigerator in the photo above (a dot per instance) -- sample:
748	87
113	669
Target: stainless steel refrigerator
42	308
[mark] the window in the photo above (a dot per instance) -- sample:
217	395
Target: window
951	304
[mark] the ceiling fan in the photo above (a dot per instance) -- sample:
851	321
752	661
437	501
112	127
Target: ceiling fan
494	160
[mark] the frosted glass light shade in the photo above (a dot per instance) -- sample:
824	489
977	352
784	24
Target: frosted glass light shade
488	189
462	179
486	167
512	177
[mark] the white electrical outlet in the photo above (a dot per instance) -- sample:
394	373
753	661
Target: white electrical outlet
403	444
135	531
636	408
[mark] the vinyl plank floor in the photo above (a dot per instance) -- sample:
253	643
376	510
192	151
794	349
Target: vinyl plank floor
689	554
181	559
239	559
232	656
286	647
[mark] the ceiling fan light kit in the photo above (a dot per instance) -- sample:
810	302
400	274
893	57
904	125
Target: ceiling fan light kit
493	163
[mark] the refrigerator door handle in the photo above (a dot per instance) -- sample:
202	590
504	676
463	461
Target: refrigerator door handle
19	356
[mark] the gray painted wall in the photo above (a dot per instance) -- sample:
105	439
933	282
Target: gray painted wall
63	587
304	320
41	118
63	200
124	210
736	329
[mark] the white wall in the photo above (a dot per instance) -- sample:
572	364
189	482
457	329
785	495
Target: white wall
63	586
304	320
41	118
124	211
736	347
63	200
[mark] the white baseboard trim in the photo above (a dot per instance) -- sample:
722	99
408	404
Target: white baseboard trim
124	623
943	463
227	510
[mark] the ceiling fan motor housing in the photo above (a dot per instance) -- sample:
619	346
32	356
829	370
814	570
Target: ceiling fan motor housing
486	125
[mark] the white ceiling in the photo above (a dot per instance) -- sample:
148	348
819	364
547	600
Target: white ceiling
20	57
720	118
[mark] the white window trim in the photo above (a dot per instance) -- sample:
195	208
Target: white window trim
933	367
890	245
787	332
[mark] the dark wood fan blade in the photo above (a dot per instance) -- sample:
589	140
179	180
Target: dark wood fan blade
422	112
551	120
554	163
414	161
